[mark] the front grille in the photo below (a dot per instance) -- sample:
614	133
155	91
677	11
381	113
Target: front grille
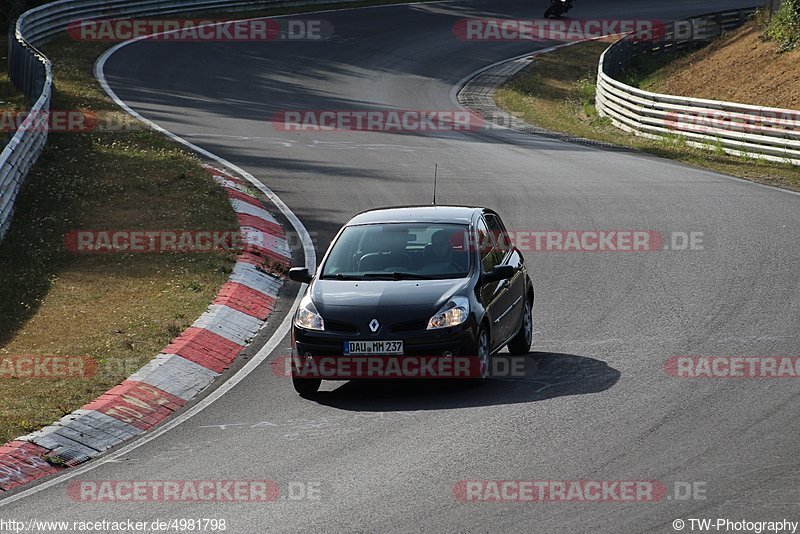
410	326
340	327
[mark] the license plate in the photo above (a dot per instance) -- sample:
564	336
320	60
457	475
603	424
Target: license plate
373	347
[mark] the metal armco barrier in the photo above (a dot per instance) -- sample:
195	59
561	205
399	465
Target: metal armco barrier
31	72
738	129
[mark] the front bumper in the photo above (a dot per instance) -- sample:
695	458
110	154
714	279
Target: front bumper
457	340
443	352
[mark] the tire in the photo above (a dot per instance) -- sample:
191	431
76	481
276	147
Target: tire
548	13
521	343
306	386
482	352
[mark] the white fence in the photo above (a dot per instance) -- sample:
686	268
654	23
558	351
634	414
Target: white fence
739	129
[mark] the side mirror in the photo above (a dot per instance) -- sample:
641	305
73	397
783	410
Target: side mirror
501	272
300	274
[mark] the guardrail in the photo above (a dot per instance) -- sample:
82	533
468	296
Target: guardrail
738	129
31	72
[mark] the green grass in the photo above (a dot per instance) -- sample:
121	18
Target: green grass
557	92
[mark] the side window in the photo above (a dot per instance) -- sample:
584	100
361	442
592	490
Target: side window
486	247
499	232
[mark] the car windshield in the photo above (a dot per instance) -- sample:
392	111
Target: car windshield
399	251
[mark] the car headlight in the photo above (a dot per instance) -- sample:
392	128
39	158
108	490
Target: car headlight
307	315
453	313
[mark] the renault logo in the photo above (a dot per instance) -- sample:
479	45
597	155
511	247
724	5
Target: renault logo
374	325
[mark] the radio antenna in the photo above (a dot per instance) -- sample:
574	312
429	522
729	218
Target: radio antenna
435	176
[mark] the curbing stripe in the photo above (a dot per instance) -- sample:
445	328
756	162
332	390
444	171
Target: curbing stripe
91	445
246	300
228	183
15	471
260	232
107	424
229	323
266	254
269	255
50	439
249	209
206	348
250	276
260	224
90	436
218	174
21	462
252	258
95	436
258	238
175	375
245	198
136	403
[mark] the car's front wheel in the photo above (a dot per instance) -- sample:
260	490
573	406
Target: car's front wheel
482	357
306	386
521	342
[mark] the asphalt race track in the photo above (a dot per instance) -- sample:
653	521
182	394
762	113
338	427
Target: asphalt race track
599	405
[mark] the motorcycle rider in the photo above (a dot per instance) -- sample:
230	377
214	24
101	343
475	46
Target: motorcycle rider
558	8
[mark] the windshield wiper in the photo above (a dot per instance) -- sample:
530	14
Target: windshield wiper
398	276
341	276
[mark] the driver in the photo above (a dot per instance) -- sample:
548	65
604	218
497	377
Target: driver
440	246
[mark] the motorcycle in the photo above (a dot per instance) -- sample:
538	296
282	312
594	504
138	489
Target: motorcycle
558	8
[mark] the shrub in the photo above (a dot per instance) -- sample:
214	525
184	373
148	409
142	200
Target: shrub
784	28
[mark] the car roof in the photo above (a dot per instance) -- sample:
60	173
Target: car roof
434	214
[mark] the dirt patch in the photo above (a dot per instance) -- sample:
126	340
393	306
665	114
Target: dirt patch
740	67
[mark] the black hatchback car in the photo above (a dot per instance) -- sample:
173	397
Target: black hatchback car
427	281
